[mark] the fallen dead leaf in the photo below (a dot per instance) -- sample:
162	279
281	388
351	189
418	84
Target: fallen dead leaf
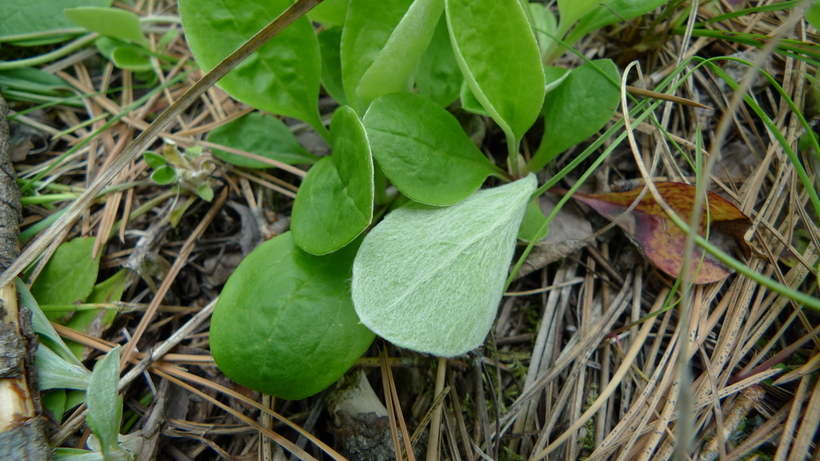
661	241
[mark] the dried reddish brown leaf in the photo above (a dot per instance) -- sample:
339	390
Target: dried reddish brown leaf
661	240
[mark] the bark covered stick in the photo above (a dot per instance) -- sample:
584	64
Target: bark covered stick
22	427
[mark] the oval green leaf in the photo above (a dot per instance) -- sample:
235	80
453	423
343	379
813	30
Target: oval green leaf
282	77
111	22
393	69
329	12
69	275
438	76
260	134
330	43
284	323
577	108
368	27
423	151
335	201
430	279
500	60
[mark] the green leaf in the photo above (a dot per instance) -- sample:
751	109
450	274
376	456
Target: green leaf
69	275
533	221
154	160
54	372
39	322
335	201
104	401
111	22
34	80
500	60
393	69
205	192
438	76
128	59
122	56
469	101
430	279
555	76
570	11
282	77
579	107
543	21
260	134
284	323
44	17
165	175
368	27
423	151
813	15
108	291
329	12
330	42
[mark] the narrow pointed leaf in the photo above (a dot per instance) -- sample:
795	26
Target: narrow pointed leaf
285	324
282	77
423	151
499	58
576	109
662	241
104	401
430	279
335	202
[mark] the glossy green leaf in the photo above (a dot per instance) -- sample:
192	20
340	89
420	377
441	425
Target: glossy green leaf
438	76
580	106
330	43
329	12
284	323
469	101
500	60
260	134
430	279
108	291
205	192
555	76
164	175
282	77
570	11
154	160
368	27
544	22
128	59
423	151
393	69
335	201
104	401
69	275
18	17
533	221
111	22
813	15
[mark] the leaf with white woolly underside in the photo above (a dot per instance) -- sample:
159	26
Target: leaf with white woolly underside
430	279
